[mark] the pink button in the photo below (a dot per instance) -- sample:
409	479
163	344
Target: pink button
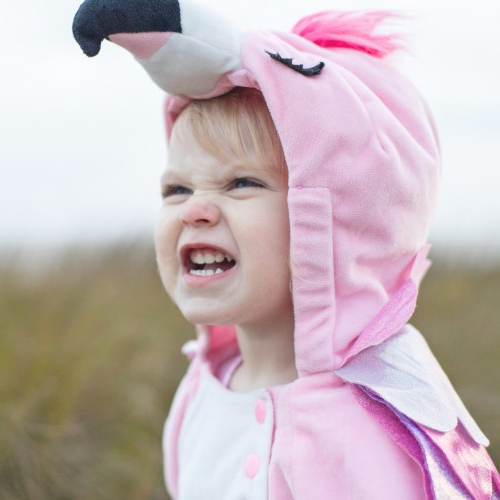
252	466
260	410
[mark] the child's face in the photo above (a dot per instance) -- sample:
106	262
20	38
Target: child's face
230	213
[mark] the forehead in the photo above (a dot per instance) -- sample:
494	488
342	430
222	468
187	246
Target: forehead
186	153
232	143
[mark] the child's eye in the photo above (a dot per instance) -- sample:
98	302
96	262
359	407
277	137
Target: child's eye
245	182
174	189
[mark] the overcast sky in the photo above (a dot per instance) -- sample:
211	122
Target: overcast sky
82	140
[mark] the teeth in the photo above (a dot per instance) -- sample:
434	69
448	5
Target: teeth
205	272
198	257
209	258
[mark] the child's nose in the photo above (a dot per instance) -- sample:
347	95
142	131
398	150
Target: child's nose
199	212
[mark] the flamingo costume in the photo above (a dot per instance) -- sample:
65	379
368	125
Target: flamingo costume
371	415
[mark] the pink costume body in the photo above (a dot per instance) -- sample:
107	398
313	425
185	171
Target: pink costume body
371	415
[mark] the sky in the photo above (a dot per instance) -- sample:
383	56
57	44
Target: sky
82	142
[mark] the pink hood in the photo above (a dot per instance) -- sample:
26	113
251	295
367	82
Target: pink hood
362	154
363	160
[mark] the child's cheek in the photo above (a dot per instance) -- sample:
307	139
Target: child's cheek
165	249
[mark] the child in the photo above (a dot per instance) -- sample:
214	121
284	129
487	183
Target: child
301	178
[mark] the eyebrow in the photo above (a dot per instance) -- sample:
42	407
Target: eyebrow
169	177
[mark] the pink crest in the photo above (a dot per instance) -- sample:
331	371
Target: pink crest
353	30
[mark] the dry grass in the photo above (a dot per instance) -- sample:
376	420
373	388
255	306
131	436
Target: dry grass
88	365
89	360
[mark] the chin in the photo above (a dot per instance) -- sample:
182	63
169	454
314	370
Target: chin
206	316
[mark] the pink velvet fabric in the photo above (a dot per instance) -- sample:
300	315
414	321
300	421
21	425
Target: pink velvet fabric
373	181
327	446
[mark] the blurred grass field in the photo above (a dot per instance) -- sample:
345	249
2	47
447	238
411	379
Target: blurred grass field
89	361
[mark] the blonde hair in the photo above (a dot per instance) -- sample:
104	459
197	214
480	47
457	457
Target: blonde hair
236	125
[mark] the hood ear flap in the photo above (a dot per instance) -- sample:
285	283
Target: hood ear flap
185	47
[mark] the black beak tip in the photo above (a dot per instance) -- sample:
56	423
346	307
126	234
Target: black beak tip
85	30
89	43
91	48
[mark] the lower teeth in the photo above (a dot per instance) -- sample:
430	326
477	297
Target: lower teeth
205	272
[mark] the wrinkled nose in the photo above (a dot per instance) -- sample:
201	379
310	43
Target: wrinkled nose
199	212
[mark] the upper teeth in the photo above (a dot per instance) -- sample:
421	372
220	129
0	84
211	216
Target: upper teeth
199	257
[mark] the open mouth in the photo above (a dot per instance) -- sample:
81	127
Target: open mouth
207	262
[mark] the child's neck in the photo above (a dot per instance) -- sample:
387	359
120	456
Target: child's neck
268	357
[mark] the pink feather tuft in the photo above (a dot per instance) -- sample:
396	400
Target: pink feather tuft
353	30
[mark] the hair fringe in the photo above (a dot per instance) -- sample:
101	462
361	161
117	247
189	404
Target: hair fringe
353	30
236	126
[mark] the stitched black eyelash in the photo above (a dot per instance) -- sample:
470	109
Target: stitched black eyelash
288	61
